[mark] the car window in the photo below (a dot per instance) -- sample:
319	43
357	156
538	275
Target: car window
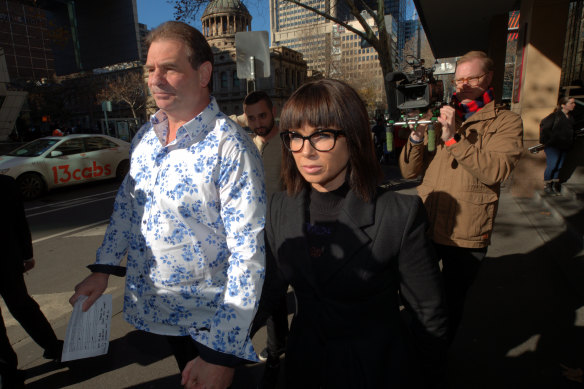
98	143
73	146
34	148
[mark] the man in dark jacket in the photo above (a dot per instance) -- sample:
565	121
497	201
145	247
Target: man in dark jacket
16	258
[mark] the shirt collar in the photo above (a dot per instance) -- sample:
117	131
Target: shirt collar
188	130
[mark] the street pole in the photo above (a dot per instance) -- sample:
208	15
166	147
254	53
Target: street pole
106	106
252	75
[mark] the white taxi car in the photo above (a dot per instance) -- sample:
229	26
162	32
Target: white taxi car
56	161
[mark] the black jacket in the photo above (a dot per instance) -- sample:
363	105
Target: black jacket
557	130
15	238
348	331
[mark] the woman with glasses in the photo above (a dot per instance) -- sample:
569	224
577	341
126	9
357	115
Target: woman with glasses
348	247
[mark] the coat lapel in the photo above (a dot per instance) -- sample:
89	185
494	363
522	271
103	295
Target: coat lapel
350	237
293	224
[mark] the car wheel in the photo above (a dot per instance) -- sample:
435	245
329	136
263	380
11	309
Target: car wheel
122	169
31	185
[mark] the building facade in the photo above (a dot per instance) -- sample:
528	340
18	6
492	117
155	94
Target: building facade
359	63
305	31
143	33
221	20
26	37
328	48
41	39
573	61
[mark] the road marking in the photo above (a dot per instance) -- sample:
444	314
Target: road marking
70	206
68	201
70	231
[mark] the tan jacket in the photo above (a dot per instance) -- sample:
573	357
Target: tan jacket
271	153
461	183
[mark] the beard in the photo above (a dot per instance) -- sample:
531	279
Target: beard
263	131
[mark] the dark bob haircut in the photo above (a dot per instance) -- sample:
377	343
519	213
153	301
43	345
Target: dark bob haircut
332	104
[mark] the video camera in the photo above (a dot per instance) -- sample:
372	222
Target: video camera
418	89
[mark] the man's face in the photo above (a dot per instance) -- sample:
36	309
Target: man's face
259	117
474	80
177	88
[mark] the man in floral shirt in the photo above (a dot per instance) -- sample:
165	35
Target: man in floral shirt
189	216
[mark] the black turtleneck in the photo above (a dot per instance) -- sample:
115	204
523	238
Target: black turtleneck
322	218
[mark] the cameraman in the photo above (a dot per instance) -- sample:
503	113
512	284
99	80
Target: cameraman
477	147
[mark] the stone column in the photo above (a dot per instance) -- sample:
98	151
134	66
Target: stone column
497	50
542	33
536	84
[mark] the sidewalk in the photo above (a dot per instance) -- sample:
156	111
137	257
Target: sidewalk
524	315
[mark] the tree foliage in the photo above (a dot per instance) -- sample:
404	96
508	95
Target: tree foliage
189	10
127	88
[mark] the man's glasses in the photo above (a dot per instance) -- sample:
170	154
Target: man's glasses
472	81
321	140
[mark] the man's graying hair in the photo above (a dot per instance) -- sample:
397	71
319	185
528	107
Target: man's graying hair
488	64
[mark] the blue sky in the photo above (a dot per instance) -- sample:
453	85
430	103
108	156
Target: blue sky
154	12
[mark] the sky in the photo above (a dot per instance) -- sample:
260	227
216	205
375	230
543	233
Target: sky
154	12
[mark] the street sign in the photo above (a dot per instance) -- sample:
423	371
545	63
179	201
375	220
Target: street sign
106	106
252	54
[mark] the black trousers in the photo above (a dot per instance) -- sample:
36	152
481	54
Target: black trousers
460	267
183	348
277	329
26	311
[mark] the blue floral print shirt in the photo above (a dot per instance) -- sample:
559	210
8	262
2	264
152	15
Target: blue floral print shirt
190	217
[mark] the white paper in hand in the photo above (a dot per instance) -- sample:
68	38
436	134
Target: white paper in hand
88	332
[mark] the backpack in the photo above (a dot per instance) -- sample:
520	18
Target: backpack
546	127
556	131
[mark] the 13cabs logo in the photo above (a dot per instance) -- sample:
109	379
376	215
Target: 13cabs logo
63	174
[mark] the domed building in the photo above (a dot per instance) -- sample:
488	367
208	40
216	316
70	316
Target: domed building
221	20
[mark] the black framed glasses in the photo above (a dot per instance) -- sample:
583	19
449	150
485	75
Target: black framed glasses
321	140
472	81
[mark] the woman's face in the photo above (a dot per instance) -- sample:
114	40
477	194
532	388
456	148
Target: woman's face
569	106
324	170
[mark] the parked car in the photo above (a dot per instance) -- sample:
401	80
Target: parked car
52	162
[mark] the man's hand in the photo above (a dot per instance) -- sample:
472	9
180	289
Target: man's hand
92	287
572	374
199	374
418	131
448	120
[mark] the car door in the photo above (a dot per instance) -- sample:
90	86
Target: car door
103	155
69	163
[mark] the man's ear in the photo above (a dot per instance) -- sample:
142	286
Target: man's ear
205	70
489	77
